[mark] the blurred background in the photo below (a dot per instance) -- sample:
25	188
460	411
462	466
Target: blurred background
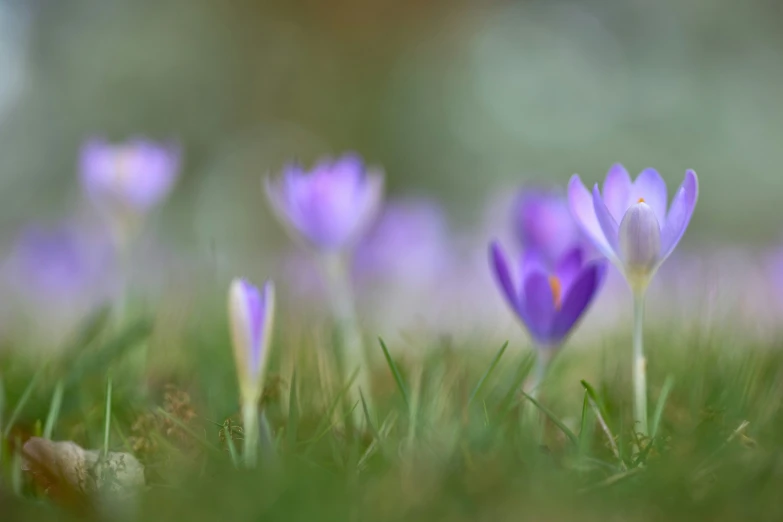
459	101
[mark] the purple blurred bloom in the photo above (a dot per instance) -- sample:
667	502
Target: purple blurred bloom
629	223
549	302
250	313
130	177
57	276
59	263
543	222
407	244
332	204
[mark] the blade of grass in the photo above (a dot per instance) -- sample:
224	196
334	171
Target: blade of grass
292	427
107	422
487	373
594	396
395	373
600	414
583	420
232	450
325	425
28	391
522	372
668	384
110	351
54	409
568	433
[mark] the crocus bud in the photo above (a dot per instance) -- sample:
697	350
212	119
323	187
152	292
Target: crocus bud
640	242
250	314
332	205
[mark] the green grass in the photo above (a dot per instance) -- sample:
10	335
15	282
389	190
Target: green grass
449	436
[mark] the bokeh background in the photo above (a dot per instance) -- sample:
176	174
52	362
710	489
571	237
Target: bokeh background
459	101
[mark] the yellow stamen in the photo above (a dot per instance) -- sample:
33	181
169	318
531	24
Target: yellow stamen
557	290
641	200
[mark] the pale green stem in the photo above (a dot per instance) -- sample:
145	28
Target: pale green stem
639	364
352	354
544	356
250	434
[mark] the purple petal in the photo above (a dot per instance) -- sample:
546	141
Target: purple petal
616	191
582	208
499	267
543	221
255	315
651	187
568	267
578	298
679	217
532	261
608	224
539	305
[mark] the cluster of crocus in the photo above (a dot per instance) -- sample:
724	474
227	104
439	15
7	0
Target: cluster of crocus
330	207
250	312
630	225
554	284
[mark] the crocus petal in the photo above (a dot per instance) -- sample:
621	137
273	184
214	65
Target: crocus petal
578	298
568	268
616	191
582	208
606	221
640	240
533	260
680	213
250	317
539	306
499	265
651	187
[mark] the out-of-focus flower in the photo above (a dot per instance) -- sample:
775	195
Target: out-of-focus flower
408	244
548	302
543	222
250	314
126	180
629	222
329	206
59	274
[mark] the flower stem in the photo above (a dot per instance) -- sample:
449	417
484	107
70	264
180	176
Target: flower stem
639	364
350	336
250	433
543	360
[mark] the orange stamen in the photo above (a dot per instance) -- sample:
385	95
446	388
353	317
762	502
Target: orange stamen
557	291
641	200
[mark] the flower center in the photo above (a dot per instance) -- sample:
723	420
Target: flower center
641	200
557	291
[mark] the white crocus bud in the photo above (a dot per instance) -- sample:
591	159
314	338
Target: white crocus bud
640	244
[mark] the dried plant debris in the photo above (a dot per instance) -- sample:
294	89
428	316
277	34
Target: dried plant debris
71	474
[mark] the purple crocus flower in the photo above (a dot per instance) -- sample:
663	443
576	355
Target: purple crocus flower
543	222
130	177
59	274
629	222
329	206
548	302
250	314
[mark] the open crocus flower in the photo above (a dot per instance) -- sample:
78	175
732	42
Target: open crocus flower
128	178
543	222
329	206
548	302
629	222
250	313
